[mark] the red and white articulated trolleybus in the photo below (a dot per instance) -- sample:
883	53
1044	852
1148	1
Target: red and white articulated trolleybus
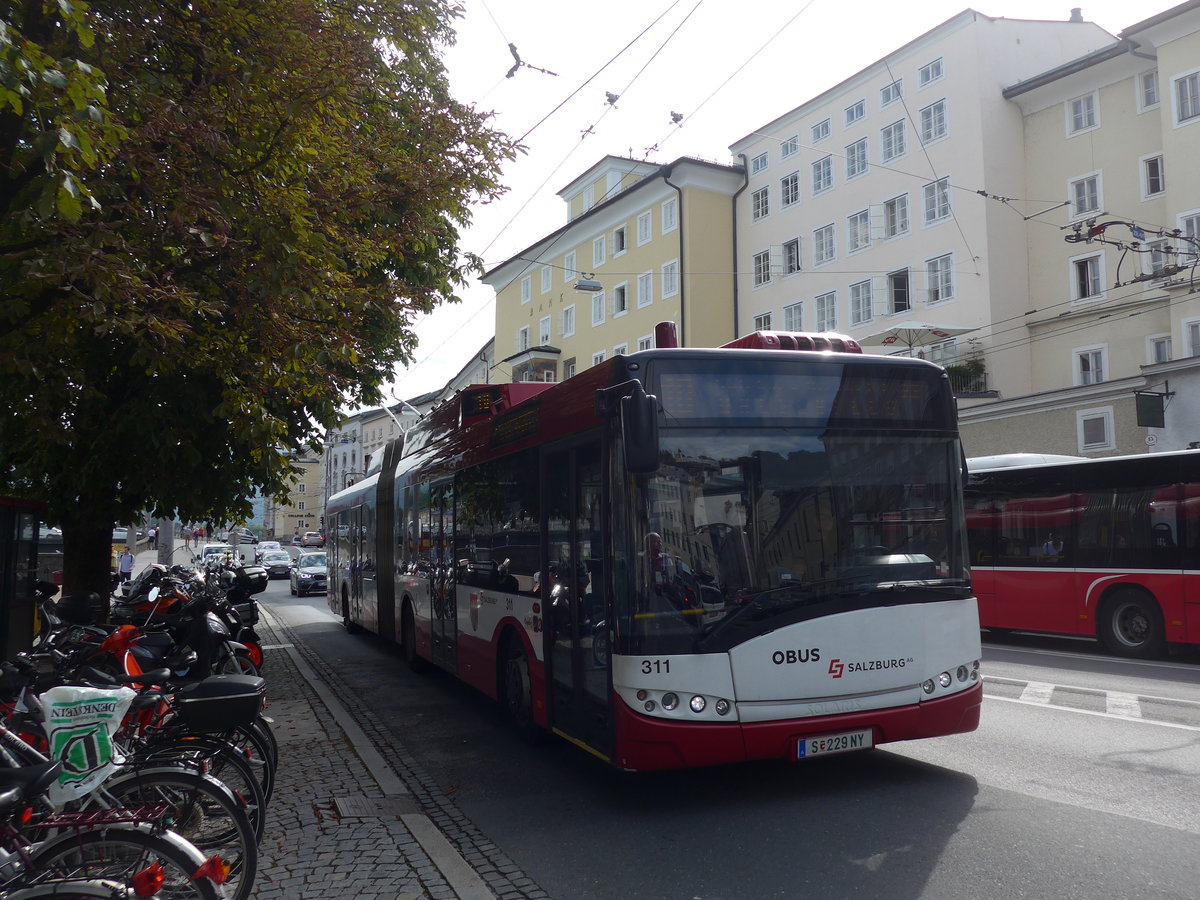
1106	548
683	557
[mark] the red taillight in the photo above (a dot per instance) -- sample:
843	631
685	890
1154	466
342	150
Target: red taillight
255	653
149	881
26	814
215	869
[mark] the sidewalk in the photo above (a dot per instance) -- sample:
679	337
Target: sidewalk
342	823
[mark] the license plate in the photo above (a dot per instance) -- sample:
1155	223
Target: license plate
833	743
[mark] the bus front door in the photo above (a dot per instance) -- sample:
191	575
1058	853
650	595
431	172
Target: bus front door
578	644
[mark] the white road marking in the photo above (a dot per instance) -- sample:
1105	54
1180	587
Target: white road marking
1125	705
1037	692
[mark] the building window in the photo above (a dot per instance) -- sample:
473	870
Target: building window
547	279
1160	348
898	298
569	368
762	268
858	231
1187	97
620	300
856	158
597	358
826	305
526	289
939	274
1155	257
929	73
522	338
619	245
763	322
620	350
1094	429
760	204
568	321
890	93
1082	114
895	216
1147	83
670	215
758	163
598	308
645	289
793	319
933	122
823	245
569	271
822	172
820	131
892	141
936	197
1085	277
856	111
944	353
598	251
1191	337
302	488
543	331
789	147
644	226
1189	227
1085	196
646	342
791	256
1154	177
860	303
1089	365
789	189
670	278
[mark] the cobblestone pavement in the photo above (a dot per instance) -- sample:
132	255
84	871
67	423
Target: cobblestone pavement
331	829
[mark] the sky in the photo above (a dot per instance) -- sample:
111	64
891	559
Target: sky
727	67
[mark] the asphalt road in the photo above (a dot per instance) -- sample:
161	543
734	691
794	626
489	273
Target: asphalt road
1080	782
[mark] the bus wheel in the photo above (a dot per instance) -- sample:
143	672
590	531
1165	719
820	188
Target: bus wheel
1131	624
408	641
518	692
350	627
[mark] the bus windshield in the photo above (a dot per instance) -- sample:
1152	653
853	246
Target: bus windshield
751	529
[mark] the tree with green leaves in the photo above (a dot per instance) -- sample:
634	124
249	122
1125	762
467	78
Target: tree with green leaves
219	221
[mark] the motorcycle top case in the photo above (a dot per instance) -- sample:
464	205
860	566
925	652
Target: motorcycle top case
219	702
253	578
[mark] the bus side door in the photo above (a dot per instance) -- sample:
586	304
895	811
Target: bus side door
442	581
574	597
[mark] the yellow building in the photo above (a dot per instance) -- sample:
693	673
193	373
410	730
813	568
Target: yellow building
644	243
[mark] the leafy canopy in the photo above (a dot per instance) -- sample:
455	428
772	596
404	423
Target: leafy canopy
219	220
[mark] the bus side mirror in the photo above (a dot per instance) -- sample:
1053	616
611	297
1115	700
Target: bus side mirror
639	428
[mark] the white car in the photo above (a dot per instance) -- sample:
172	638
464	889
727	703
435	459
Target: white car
213	552
266	546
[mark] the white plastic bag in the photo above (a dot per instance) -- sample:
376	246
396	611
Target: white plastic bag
80	725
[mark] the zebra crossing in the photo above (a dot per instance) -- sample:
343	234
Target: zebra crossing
1116	704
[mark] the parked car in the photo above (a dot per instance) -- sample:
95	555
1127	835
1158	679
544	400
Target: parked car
297	540
263	546
208	552
121	535
308	574
249	537
278	563
312	539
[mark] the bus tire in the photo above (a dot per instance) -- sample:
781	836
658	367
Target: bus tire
1131	624
351	627
516	688
408	640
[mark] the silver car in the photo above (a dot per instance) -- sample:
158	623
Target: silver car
278	563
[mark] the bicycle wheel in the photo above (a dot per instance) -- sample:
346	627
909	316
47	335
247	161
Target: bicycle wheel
224	762
119	853
257	750
203	811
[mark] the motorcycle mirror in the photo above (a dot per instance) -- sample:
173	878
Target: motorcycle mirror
153	594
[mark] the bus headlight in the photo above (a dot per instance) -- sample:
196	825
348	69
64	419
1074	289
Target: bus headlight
670	701
927	686
962	673
697	704
722	707
945	680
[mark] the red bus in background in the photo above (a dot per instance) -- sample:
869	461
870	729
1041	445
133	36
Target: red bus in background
1104	548
683	556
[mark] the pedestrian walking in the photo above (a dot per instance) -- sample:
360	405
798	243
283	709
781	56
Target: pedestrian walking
187	536
125	565
152	535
